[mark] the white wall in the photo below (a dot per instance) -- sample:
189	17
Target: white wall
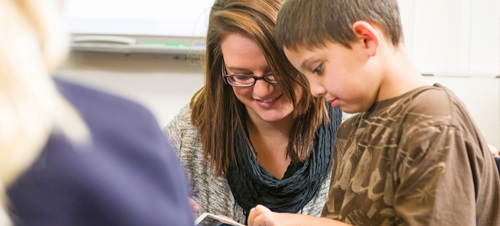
454	37
164	85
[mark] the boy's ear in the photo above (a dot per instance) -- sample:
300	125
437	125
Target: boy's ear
366	33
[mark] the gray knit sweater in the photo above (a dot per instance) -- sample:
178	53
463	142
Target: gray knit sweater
213	194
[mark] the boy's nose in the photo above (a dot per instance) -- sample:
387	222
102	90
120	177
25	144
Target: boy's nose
317	90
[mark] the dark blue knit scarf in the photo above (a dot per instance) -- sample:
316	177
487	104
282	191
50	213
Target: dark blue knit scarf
252	184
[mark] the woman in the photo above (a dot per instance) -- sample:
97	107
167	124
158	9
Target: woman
252	134
72	155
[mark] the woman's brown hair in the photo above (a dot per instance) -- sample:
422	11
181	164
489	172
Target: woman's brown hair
216	111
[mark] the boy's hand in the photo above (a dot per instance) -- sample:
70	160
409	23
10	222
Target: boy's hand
261	216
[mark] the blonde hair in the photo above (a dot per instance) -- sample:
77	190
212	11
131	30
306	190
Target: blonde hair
32	43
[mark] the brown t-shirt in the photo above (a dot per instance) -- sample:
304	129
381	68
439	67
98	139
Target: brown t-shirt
416	159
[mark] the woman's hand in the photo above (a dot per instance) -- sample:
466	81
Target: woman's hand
494	151
194	206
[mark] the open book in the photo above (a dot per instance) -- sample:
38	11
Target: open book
214	220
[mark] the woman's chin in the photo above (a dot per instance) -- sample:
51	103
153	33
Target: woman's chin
273	116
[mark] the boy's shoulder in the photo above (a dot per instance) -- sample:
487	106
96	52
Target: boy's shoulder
436	91
435	100
428	106
425	104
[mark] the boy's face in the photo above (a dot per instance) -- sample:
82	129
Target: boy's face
347	78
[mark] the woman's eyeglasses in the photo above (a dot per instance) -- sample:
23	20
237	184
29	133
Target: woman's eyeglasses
241	80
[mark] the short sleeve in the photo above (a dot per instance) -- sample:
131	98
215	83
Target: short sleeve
434	178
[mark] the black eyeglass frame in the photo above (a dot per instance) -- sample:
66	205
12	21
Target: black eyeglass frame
226	77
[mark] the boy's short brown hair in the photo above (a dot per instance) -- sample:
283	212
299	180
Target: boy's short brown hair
311	23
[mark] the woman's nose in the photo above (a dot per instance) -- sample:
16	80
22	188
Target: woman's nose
262	88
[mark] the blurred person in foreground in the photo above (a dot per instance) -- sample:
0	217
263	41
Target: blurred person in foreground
72	155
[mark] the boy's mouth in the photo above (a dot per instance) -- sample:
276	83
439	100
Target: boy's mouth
334	102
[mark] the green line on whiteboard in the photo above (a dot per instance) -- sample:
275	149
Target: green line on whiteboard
167	44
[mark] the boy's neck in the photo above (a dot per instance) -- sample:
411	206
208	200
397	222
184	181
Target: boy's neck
400	76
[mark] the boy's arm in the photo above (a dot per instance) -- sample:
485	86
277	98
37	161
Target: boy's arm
260	215
442	174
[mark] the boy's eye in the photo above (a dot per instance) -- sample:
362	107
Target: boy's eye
318	69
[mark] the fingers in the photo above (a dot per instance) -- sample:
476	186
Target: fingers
260	216
494	151
194	206
225	217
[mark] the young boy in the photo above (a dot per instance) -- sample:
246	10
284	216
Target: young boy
413	156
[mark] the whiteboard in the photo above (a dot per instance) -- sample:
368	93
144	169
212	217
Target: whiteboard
180	18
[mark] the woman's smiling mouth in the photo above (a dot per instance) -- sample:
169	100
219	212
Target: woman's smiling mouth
268	102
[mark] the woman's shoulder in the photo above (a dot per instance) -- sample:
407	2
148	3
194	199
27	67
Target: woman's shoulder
182	119
180	130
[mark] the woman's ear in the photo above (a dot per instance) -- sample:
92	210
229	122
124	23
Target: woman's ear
369	36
